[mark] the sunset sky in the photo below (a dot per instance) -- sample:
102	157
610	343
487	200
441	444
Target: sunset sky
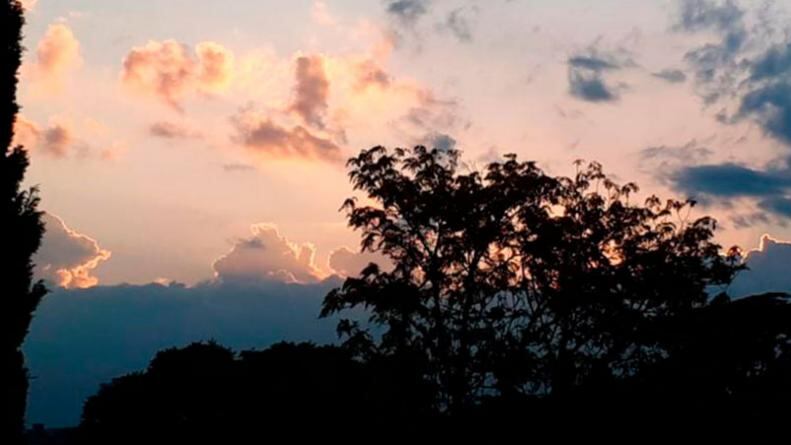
172	138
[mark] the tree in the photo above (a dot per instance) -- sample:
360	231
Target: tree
510	282
22	230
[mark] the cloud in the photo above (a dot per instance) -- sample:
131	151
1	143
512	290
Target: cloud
731	180
587	72
459	25
671	75
369	74
66	257
170	130
407	12
237	167
268	256
771	188
29	5
170	72
768	269
270	139
55	140
716	65
440	141
57	54
770	107
311	91
661	160
345	262
216	67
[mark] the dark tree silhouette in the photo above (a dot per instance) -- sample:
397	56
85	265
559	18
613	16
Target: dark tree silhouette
513	283
22	230
204	393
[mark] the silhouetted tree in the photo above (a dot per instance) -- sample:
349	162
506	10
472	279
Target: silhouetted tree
21	234
511	282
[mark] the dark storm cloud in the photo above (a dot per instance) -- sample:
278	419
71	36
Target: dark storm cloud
770	107
770	189
731	180
122	327
672	76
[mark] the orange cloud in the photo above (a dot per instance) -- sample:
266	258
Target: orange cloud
56	55
55	140
68	258
169	72
216	67
268	256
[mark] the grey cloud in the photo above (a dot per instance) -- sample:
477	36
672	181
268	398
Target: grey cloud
587	75
672	76
408	12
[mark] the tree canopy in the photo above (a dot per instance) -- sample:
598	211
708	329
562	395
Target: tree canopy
512	282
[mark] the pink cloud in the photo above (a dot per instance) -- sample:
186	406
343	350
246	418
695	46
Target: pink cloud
311	91
266	137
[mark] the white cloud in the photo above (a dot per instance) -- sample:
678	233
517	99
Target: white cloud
769	269
268	256
66	257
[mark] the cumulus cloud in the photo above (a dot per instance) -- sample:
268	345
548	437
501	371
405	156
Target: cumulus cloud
311	91
169	71
587	75
57	54
767	269
268	256
66	257
270	139
348	263
216	66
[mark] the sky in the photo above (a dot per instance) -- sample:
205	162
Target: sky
185	148
165	134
